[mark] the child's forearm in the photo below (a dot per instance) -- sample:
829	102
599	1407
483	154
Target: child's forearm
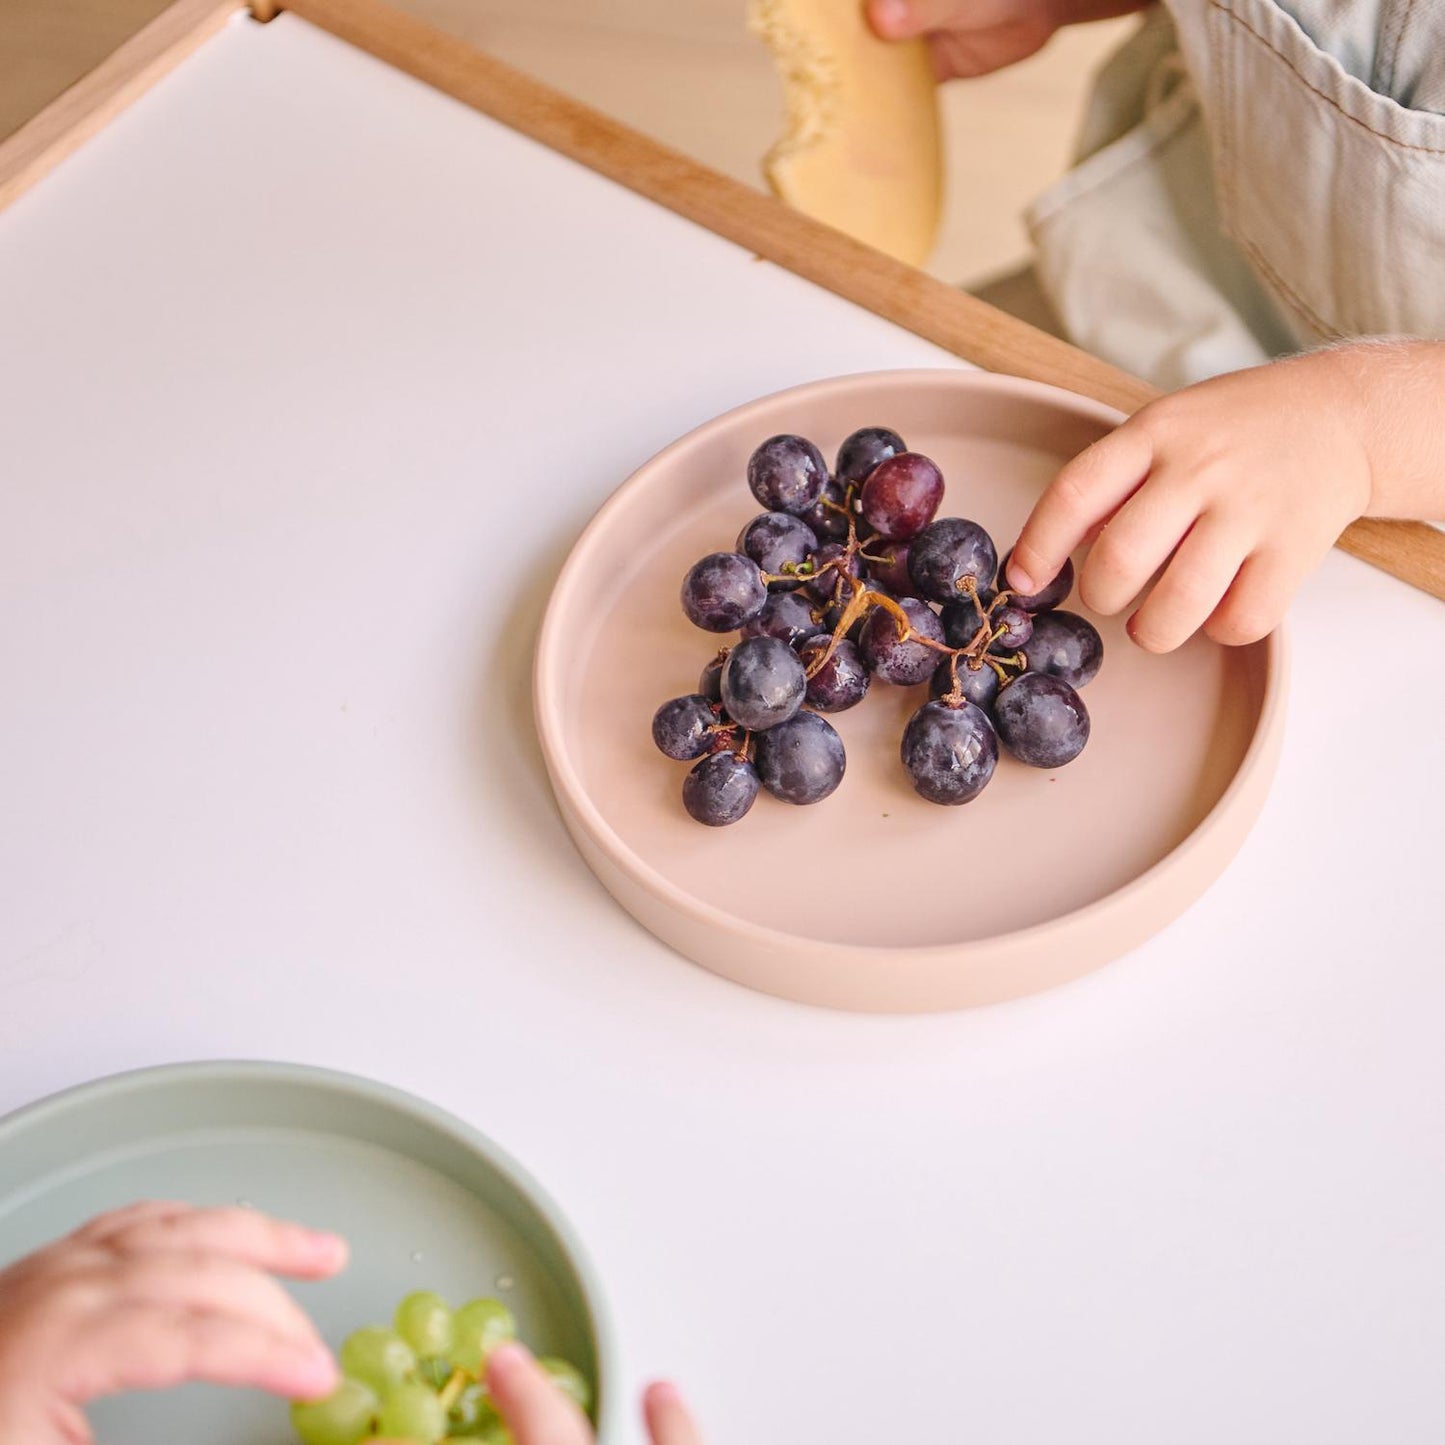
1399	387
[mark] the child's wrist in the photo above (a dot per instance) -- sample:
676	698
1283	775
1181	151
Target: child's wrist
1393	391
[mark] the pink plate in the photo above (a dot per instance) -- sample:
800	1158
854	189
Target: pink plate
875	899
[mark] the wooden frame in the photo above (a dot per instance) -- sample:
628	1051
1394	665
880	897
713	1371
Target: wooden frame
932	309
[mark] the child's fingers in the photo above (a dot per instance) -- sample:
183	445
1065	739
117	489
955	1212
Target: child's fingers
154	1347
902	19
207	1283
536	1411
275	1245
668	1420
1183	599
1086	492
1136	542
1257	602
103	1226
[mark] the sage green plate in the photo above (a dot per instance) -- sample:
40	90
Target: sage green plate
425	1201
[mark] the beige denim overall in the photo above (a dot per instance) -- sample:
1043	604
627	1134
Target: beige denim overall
1255	178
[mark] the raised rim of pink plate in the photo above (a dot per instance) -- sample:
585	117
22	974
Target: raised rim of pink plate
567	783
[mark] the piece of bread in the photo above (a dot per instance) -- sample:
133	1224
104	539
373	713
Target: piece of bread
861	150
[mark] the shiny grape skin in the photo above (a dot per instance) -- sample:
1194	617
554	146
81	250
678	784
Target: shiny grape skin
892	575
720	789
787	474
776	542
863	450
1046	599
947	552
896	660
722	591
961	621
828	522
789	616
823	584
709	683
802	760
1041	720
901	496
762	683
978	684
948	752
1017	624
1066	646
841	682
680	728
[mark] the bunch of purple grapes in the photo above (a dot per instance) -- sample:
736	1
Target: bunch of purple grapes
851	577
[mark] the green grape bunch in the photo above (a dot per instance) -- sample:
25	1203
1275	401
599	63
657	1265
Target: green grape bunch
423	1380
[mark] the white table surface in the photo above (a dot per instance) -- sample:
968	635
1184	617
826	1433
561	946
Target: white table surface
308	379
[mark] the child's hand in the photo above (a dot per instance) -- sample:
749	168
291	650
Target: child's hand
1242	485
149	1297
975	37
537	1413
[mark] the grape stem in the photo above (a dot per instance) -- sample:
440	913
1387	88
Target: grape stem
447	1395
863	601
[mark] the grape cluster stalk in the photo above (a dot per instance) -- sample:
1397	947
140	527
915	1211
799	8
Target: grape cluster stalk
851	577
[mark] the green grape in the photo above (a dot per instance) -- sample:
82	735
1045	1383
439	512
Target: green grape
342	1418
473	1416
377	1357
424	1321
434	1371
413	1412
477	1329
568	1379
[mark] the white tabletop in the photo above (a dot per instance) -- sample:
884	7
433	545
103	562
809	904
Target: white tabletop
308	379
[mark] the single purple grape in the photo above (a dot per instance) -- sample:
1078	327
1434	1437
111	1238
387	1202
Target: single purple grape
961	622
787	474
977	683
777	543
841	682
682	728
903	661
1017	626
763	683
802	760
863	450
1066	646
830	562
709	684
950	555
949	752
1047	598
901	495
1041	720
827	517
720	789
892	575
722	591
789	616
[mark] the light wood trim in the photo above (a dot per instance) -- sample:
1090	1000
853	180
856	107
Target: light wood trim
920	303
93	101
1412	551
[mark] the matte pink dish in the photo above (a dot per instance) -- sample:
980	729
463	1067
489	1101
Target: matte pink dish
875	899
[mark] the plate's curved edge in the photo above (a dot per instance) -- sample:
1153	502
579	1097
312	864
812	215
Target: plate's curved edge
39	1112
1253	776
